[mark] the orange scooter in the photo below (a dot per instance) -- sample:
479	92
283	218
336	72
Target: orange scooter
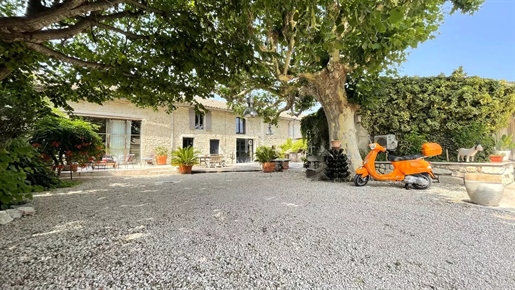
411	169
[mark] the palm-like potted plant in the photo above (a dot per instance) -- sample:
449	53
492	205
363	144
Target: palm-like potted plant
185	158
504	145
265	155
161	153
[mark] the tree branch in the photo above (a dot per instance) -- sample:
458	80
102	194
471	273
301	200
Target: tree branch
145	7
291	43
67	9
40	20
64	58
121	31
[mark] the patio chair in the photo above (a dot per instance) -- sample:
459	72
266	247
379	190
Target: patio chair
148	160
130	159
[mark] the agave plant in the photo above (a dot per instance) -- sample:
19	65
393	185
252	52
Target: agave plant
504	143
185	156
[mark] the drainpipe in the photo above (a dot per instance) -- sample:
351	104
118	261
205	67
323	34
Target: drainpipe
172	136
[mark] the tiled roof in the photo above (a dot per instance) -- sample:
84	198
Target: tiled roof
222	105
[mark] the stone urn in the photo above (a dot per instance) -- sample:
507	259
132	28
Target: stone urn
484	192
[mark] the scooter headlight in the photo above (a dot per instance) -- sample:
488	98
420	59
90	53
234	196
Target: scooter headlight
372	146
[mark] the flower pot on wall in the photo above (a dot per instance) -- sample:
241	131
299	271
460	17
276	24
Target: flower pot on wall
496	158
161	160
505	154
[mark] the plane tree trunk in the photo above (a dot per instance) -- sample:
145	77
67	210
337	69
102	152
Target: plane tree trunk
329	89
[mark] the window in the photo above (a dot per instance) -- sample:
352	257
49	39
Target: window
240	125
199	121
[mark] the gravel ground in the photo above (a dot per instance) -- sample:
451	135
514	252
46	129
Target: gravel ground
256	231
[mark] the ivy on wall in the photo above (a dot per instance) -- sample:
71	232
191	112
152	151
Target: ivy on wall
455	111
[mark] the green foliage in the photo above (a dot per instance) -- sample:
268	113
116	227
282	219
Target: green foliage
314	129
155	53
265	154
161	151
185	156
20	108
14	186
455	111
505	142
61	139
22	172
291	146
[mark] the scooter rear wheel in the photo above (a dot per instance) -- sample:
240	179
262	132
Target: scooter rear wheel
360	180
426	177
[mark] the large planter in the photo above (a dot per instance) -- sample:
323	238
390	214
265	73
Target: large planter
506	153
268	166
484	193
161	160
185	169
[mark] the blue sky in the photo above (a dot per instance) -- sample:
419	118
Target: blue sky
484	44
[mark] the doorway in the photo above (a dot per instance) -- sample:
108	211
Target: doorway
214	145
244	150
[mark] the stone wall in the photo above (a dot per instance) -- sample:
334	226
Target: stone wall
452	172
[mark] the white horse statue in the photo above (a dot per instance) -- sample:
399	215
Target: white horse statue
469	153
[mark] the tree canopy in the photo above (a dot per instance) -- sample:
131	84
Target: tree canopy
153	52
308	49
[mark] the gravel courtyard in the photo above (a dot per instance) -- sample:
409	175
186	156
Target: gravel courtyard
251	230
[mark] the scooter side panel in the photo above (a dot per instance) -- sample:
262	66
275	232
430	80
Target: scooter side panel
410	167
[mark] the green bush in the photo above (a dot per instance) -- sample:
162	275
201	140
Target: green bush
455	111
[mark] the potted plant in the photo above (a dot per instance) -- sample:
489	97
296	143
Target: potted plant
265	155
496	157
504	145
161	153
185	158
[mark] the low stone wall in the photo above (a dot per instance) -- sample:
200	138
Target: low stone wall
453	172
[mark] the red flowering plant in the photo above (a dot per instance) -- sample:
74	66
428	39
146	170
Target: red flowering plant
59	139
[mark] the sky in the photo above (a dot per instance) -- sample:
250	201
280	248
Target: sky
483	43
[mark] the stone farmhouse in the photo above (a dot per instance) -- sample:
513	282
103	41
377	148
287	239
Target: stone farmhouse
126	129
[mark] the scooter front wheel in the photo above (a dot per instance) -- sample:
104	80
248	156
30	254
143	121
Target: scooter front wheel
359	180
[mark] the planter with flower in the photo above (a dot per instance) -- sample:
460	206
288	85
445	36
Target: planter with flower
185	158
265	155
496	157
161	153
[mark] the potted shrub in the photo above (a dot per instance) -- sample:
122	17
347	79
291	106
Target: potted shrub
185	158
161	153
504	145
265	155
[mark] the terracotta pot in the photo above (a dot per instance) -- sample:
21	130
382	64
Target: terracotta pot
336	144
496	158
185	169
161	160
286	165
268	166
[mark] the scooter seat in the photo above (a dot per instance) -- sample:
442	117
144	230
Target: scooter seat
402	158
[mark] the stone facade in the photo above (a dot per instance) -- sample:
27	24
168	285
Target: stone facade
161	129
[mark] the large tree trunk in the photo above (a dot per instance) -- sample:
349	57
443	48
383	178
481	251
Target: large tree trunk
330	92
